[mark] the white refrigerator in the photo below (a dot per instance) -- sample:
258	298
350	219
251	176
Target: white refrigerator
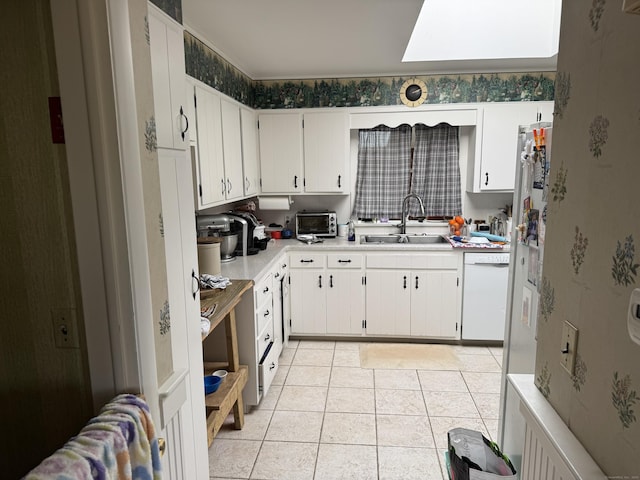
532	188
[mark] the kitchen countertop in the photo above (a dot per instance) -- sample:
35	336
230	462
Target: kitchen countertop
254	267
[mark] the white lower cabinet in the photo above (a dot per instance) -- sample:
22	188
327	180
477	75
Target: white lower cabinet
327	294
308	284
435	310
259	346
345	294
393	294
388	302
423	301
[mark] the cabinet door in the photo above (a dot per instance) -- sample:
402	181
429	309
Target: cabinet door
308	300
545	111
281	151
232	149
190	110
249	125
212	188
434	303
326	152
388	296
168	71
345	302
500	143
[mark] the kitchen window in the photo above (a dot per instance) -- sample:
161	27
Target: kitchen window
395	161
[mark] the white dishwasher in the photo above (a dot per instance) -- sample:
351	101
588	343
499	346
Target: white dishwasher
484	297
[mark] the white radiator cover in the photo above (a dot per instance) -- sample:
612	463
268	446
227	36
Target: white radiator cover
551	451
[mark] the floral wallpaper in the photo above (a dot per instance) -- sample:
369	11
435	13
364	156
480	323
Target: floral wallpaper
590	264
139	26
207	66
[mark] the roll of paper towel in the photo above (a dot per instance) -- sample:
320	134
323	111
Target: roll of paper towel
209	258
274	203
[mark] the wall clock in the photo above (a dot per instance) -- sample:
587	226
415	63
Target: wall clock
413	92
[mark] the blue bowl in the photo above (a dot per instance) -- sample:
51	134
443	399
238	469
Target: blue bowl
211	384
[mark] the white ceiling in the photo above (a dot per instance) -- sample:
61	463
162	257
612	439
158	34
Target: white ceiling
296	39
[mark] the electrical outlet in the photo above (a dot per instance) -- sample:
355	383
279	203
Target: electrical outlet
65	329
286	219
568	347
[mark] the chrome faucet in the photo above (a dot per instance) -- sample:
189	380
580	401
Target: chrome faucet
405	215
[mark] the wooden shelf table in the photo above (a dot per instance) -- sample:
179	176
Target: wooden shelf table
229	394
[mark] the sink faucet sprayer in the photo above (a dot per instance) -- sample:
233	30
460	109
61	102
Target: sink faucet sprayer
403	223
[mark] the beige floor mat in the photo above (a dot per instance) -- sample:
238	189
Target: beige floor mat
409	356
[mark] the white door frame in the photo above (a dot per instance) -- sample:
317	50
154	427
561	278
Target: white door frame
95	70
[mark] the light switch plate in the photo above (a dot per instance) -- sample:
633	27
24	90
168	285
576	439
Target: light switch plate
65	329
568	347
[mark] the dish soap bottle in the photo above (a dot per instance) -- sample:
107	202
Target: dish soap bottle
351	232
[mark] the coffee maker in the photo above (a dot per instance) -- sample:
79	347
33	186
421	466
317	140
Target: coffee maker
251	236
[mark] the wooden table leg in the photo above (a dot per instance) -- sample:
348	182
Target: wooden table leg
238	413
232	341
234	365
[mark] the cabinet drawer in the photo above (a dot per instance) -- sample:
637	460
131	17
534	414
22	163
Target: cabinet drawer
264	316
347	260
263	290
306	260
269	367
265	337
280	270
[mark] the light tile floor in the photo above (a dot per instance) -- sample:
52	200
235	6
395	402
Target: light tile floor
326	418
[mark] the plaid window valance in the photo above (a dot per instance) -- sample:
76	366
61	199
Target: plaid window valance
385	172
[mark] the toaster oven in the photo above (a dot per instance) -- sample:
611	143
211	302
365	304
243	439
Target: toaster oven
318	223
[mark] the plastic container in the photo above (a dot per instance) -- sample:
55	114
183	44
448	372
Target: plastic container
209	258
220	373
211	384
351	232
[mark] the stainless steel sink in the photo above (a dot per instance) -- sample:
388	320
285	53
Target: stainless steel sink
405	239
430	239
390	238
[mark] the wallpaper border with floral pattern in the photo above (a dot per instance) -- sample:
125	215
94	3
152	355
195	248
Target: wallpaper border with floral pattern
204	64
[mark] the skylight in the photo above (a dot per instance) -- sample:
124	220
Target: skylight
485	30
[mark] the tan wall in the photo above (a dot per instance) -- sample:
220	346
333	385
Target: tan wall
44	390
595	142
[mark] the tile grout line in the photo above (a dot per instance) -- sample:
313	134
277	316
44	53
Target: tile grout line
264	437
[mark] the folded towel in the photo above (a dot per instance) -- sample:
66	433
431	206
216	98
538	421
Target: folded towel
64	464
112	446
118	444
214	281
144	452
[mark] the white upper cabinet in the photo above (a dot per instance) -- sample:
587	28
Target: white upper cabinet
326	152
250	160
232	150
168	72
496	161
225	151
304	152
281	152
210	173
